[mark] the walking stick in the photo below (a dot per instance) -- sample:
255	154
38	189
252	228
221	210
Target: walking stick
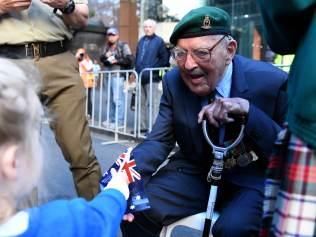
215	174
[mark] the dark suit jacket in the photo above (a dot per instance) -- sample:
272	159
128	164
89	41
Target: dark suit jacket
155	55
260	83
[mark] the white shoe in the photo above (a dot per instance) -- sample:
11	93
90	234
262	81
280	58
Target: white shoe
106	124
110	125
119	126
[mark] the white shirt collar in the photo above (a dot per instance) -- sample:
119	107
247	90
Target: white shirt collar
16	225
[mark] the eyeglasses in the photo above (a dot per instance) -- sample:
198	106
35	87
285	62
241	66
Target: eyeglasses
199	54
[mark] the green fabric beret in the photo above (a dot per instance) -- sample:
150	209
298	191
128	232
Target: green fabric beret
200	22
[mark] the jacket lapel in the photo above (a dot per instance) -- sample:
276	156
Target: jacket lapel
239	86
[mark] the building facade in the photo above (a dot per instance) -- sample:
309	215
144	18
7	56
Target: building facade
128	15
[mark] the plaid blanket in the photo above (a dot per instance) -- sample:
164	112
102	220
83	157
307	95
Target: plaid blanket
290	189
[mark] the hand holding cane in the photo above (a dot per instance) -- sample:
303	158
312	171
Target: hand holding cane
215	173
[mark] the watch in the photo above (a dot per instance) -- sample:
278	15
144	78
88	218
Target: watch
69	7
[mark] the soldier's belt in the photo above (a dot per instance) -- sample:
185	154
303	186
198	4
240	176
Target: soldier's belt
241	160
34	50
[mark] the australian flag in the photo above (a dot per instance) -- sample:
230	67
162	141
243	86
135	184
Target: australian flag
137	200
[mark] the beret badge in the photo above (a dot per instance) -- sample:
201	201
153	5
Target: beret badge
206	23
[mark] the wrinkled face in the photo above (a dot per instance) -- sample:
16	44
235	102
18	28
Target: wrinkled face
149	29
202	61
112	38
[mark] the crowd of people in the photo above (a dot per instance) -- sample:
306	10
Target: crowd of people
117	56
267	190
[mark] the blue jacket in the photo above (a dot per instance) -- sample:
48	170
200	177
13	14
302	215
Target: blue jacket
100	217
260	83
155	55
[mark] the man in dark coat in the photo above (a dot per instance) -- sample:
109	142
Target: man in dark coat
151	53
207	65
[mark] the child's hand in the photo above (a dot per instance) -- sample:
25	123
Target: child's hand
119	182
128	217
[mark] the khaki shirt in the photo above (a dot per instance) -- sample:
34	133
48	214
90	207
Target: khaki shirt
38	23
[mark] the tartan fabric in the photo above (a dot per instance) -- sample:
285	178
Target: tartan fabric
290	190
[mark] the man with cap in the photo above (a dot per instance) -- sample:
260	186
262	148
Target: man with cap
117	55
38	32
205	53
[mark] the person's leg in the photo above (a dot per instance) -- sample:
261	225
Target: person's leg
173	193
144	108
111	101
89	101
66	102
119	99
240	214
156	95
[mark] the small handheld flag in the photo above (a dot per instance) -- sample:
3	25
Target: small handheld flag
125	163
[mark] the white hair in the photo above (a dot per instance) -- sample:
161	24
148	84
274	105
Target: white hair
150	22
20	115
226	41
229	38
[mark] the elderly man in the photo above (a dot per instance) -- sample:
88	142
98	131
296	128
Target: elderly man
151	52
207	65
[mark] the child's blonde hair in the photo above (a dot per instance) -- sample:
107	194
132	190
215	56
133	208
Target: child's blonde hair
20	115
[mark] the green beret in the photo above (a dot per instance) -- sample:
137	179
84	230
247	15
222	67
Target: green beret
200	22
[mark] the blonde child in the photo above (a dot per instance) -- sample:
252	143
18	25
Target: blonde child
20	170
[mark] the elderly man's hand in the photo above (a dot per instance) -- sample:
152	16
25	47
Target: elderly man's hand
13	5
218	112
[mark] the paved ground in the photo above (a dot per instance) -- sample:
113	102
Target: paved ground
57	180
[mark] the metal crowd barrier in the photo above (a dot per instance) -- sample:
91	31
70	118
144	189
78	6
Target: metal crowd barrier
101	99
153	99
